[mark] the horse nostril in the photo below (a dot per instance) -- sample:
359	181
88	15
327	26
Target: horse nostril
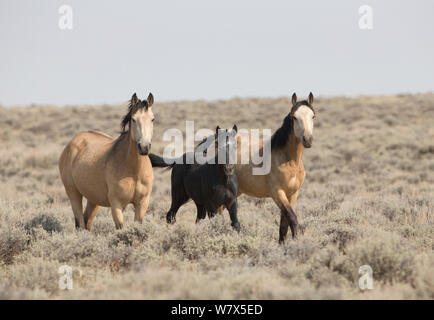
307	142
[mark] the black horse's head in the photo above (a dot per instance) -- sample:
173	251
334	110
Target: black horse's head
227	149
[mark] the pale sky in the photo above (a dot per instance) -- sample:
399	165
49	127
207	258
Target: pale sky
200	49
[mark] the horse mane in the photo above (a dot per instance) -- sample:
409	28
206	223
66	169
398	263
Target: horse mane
281	136
132	109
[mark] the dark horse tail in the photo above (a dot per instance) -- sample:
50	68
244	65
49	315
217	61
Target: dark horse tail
158	162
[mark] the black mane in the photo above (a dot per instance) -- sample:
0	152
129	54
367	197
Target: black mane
280	137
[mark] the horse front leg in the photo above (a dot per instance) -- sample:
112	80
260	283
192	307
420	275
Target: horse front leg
141	207
118	216
233	211
287	217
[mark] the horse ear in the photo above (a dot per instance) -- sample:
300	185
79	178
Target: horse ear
134	99
217	130
310	98
235	128
294	99
150	99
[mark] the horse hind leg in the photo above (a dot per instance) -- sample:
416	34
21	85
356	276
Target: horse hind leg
76	200
174	207
89	214
179	197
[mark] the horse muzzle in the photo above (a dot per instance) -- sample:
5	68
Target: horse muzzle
307	142
144	150
229	170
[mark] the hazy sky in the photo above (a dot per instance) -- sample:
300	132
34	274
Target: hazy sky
193	49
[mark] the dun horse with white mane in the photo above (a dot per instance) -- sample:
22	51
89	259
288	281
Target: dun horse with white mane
111	172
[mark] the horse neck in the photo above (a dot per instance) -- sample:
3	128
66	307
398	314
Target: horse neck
293	149
219	171
134	160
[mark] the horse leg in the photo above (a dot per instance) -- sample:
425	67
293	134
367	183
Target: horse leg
118	217
179	197
292	198
287	217
233	209
201	212
89	214
76	200
283	228
220	210
211	214
141	208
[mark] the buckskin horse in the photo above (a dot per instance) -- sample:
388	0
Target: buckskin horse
287	172
111	172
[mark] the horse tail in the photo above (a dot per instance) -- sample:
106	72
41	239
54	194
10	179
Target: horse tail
158	162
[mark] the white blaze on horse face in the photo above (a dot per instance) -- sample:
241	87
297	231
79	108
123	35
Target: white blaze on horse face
303	126
143	127
227	146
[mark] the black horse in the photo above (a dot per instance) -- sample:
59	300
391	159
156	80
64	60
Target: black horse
210	185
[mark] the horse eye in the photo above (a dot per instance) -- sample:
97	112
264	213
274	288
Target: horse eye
134	120
153	120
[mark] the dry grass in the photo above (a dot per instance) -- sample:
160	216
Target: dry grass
368	198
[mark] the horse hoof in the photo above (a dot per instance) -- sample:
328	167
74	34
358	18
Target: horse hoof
170	219
236	226
294	233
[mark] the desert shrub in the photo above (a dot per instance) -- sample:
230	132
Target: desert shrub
133	234
299	251
390	260
35	274
16	293
341	234
13	241
80	247
333	202
424	282
203	240
323	277
47	222
273	254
